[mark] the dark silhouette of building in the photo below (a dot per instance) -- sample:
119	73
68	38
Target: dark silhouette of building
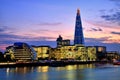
101	52
78	36
113	55
1	57
61	42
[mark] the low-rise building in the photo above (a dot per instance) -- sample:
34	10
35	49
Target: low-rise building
61	42
42	51
73	52
20	52
24	52
92	54
113	55
101	52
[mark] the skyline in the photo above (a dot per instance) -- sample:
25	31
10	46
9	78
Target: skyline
41	22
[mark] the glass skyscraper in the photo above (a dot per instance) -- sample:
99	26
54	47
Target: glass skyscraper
78	36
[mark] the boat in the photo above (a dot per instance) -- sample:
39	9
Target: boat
116	62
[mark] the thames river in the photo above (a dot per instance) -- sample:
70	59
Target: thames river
70	72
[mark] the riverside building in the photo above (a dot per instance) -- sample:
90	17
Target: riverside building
42	52
20	52
61	42
24	52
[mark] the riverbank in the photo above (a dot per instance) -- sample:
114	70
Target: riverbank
46	63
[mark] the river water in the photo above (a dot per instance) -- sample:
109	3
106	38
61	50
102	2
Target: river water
70	72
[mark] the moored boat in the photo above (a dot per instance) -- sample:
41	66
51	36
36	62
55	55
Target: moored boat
116	63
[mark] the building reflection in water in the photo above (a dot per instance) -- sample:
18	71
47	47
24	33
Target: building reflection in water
74	72
74	67
25	70
7	71
85	66
71	67
69	72
42	69
22	70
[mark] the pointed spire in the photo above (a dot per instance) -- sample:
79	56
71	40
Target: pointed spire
78	11
78	36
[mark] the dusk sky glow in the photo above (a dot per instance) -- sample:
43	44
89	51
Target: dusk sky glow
40	22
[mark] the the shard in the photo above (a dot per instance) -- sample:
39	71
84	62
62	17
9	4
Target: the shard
78	36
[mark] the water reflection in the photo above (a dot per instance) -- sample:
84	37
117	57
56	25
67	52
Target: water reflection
24	70
42	68
70	72
74	67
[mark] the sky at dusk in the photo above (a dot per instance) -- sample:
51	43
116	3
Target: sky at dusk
40	22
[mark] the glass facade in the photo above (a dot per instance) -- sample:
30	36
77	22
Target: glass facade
24	52
78	37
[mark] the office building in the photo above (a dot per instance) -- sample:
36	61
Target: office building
42	52
78	36
24	52
61	42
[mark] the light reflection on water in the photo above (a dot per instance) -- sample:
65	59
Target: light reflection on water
70	72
